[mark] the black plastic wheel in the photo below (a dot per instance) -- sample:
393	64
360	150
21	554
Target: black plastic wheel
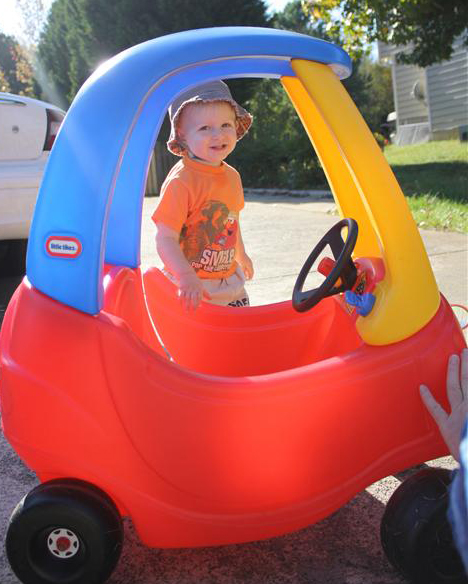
64	531
415	532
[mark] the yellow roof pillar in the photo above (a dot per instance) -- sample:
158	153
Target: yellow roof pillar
366	189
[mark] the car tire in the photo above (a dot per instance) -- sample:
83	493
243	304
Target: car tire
415	533
64	531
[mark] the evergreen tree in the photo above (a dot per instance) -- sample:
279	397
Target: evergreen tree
80	34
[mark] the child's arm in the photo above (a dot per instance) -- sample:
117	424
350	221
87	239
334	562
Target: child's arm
191	289
242	258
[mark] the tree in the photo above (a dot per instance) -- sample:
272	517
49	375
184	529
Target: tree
428	27
33	14
17	57
294	17
4	85
378	102
277	151
7	62
16	75
370	84
80	34
59	49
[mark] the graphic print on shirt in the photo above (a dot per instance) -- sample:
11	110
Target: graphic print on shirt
208	238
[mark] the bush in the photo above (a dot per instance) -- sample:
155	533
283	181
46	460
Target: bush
277	152
381	140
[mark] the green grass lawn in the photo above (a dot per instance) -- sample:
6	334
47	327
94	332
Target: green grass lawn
434	178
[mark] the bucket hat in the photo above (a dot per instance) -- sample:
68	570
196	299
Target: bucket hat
205	93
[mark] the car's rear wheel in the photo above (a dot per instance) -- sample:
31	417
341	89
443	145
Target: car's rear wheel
64	532
415	532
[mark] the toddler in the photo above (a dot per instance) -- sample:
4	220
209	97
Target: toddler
198	232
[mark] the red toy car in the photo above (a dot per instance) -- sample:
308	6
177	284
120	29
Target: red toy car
264	419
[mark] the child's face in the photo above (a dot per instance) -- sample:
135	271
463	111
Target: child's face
208	130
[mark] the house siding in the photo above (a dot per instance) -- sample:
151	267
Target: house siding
409	109
444	111
447	87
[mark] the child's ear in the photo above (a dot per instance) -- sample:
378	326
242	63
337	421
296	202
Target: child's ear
180	136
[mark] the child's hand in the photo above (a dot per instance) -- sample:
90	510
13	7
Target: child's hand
247	266
451	425
191	291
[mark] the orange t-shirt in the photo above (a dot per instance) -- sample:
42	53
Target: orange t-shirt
202	204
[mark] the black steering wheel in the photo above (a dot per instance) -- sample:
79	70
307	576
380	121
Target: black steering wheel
344	267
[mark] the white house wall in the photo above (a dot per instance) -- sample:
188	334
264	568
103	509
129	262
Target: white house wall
447	90
409	110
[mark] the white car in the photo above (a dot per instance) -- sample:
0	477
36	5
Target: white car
28	128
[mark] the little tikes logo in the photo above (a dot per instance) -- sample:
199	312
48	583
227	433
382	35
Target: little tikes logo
63	247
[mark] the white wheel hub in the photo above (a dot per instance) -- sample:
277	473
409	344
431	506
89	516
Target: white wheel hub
63	543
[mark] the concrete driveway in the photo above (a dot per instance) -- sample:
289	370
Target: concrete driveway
279	233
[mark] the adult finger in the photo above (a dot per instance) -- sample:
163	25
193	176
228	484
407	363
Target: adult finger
454	391
464	373
435	409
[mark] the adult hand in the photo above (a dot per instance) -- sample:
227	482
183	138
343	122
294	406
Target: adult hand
451	425
191	291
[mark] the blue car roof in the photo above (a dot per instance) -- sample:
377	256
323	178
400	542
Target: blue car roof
90	202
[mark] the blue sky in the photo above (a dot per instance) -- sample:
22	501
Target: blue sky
11	21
